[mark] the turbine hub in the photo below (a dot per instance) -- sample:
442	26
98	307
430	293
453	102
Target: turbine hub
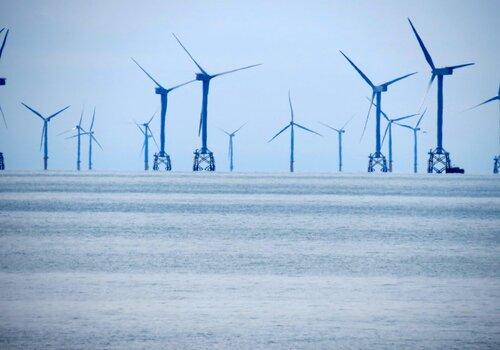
443	71
380	88
202	76
161	91
2	81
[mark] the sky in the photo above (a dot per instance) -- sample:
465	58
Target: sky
79	53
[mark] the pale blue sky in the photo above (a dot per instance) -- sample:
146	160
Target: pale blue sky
78	52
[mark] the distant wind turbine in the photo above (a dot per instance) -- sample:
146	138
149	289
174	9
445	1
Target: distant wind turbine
162	157
496	164
439	158
204	159
3	80
339	132
146	131
415	130
231	149
291	125
45	132
376	158
92	138
79	133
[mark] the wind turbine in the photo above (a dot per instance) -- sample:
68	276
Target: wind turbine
145	145
496	160
162	157
91	138
292	134
2	82
415	130
45	132
231	154
203	157
376	158
439	158
79	133
339	132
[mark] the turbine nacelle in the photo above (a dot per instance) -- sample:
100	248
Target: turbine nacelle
161	91
442	71
380	88
203	76
2	81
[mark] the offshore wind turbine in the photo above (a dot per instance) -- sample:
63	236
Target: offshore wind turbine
92	138
496	160
162	157
291	125
45	132
79	133
2	82
415	130
146	131
339	132
231	149
439	158
376	159
203	157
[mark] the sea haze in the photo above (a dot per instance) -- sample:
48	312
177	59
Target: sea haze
249	261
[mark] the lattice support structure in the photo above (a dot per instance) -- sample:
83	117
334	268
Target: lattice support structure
439	161
162	159
2	163
377	162
496	164
203	160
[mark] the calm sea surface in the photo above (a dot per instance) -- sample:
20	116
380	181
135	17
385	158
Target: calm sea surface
249	261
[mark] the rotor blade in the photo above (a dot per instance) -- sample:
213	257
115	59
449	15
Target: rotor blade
485	102
43	135
199	126
140	129
65	132
428	57
330	127
81	117
72	137
4	40
347	122
152	117
398	79
224	131
56	113
31	109
291	107
235	70
286	127
93	137
153	137
142	148
385	132
420	119
149	75
381	111
3	116
178	86
404	126
92	122
359	71
405	117
201	69
427	91
234	132
306	129
460	66
367	116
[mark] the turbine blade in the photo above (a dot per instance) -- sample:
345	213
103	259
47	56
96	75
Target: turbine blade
81	117
347	122
306	129
3	116
328	126
405	117
428	57
234	132
72	137
224	131
92	122
404	126
367	116
153	137
65	132
420	119
93	137
4	40
290	102
142	148
199	126
235	70
43	135
31	109
398	79
427	91
149	75
359	71
385	132
199	67
152	117
381	111
56	113
178	86
286	127
140	129
485	102
461	65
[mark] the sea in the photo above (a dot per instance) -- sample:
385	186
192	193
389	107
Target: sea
106	260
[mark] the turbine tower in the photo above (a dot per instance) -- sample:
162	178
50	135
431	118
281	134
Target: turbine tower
339	132
231	149
439	158
45	132
90	133
376	159
146	131
203	157
162	157
496	160
2	82
415	130
291	125
79	133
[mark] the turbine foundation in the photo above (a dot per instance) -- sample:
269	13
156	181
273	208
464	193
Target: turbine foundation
377	162
496	164
203	160
162	159
439	161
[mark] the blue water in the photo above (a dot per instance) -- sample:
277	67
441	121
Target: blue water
279	261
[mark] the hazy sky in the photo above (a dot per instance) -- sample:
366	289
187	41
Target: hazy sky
78	53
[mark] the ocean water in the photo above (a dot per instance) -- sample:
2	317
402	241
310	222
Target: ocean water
249	261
